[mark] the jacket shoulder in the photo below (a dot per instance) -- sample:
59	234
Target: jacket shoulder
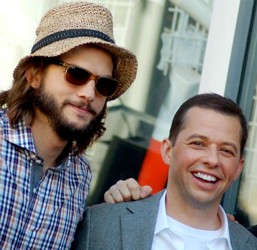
241	238
103	225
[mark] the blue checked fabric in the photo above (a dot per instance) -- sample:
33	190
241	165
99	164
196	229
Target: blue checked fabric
48	219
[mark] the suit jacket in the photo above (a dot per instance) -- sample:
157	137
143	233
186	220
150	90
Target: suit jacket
131	225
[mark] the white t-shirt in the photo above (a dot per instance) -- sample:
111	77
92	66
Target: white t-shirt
172	235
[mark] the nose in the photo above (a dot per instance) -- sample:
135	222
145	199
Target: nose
211	157
87	90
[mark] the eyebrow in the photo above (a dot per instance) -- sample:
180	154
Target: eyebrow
193	136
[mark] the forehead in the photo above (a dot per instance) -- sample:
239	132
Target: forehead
88	48
93	58
210	122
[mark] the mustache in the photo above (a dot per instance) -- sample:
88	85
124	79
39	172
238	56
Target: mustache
81	105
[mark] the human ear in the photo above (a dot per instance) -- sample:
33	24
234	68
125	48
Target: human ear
239	169
166	148
33	76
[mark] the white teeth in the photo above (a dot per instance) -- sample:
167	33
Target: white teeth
205	177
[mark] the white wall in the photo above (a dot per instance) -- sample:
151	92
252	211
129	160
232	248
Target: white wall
219	46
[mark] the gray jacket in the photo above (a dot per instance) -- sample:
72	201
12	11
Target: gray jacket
131	225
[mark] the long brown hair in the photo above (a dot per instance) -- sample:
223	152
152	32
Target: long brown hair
18	100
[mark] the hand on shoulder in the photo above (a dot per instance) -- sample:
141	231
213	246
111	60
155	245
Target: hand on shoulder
126	190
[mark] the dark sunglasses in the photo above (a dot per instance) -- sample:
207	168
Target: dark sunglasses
104	85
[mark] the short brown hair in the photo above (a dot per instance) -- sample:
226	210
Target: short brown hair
209	101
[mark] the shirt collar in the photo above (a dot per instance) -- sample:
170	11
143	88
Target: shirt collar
20	135
224	226
162	222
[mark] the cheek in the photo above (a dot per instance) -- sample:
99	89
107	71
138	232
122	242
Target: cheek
98	103
180	162
231	168
54	81
186	156
55	87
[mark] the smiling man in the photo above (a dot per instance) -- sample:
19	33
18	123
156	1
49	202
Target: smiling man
204	152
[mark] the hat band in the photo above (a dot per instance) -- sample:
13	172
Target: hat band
61	35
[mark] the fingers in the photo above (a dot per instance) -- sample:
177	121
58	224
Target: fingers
134	189
123	191
119	192
231	217
126	191
112	196
145	191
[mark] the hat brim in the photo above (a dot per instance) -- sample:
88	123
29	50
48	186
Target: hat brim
126	62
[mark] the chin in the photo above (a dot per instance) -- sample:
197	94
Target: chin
78	123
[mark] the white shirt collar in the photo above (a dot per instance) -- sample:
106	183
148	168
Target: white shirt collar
162	223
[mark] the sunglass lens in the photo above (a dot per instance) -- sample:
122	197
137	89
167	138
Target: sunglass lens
106	86
77	76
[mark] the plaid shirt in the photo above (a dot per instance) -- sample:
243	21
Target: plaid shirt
47	219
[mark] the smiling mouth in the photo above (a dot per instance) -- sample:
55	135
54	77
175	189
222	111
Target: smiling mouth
205	177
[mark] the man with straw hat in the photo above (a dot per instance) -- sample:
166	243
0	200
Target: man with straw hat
52	113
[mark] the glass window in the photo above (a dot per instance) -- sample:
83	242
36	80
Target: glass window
169	41
246	211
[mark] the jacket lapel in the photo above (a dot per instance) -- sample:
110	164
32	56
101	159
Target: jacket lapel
137	227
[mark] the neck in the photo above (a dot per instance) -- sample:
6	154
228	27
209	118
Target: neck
200	217
48	144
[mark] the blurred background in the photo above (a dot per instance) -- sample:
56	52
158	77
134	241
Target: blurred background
183	48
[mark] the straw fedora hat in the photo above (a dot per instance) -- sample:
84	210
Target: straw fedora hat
77	23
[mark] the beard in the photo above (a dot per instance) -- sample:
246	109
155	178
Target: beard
65	129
